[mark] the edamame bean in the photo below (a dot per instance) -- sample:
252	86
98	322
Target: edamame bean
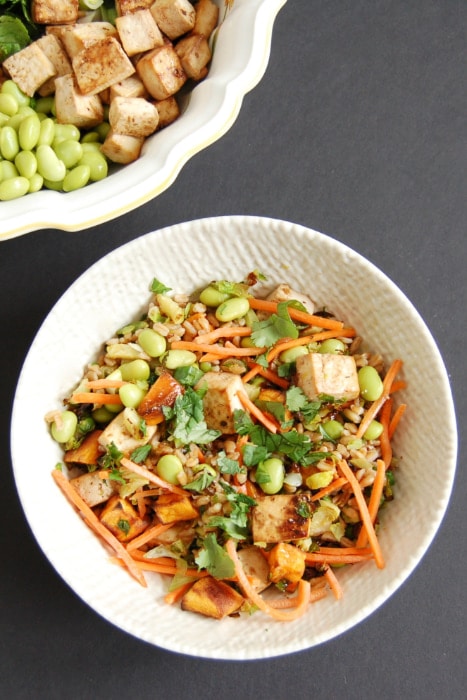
371	385
291	354
64	428
212	297
333	428
131	395
63	132
44	105
90	137
9	87
47	132
8	104
26	163
373	431
9	145
270	475
53	184
97	163
36	183
13	188
102	415
231	309
319	480
7	170
168	467
153	343
136	370
29	131
76	178
102	130
69	151
49	165
331	346
179	358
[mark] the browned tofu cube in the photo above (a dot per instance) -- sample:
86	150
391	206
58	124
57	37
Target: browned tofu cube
130	87
255	566
161	72
194	54
101	64
284	292
139	32
93	489
76	37
277	518
174	17
54	11
332	375
172	507
207	16
168	111
125	7
221	400
213	598
29	68
134	116
122	520
121	148
53	49
72	107
286	563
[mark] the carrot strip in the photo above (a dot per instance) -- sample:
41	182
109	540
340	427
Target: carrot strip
150	476
252	408
364	514
177	594
384	441
215	349
169	570
284	603
397	386
334	584
222	332
326	490
301	600
286	344
268	374
105	384
318	558
295	314
95	524
344	550
90	397
375	500
147	535
398	413
376	406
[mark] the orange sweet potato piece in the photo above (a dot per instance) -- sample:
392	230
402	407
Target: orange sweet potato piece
286	562
122	520
171	508
212	598
88	452
163	392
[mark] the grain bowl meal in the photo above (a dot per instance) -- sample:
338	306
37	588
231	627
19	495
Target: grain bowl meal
236	444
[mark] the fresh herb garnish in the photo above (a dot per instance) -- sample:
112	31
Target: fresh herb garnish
188	376
124	526
266	333
214	558
139	454
236	524
227	465
187	419
202	481
158	287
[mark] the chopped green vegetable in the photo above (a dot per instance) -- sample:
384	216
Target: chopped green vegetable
214	558
277	326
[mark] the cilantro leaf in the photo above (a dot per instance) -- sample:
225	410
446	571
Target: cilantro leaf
227	465
188	376
139	454
268	332
296	401
236	524
158	287
202	481
254	454
111	458
214	558
187	419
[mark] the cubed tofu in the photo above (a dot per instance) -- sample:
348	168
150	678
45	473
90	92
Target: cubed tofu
277	518
72	107
29	68
117	432
54	11
212	598
134	116
206	18
168	111
221	400
255	567
194	54
55	52
161	72
125	7
286	563
332	375
93	489
121	148
88	452
174	17
138	32
130	87
76	37
173	507
101	64
122	519
283	292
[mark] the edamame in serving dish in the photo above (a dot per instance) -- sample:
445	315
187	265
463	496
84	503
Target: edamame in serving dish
250	431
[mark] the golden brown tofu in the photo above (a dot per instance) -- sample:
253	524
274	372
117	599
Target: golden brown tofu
172	507
72	107
134	116
286	563
207	16
221	400
332	375
122	148
278	519
93	489
194	54
161	72
212	598
125	7
255	566
29	68
76	37
55	52
118	433
54	11
122	520
168	111
130	87
139	32
283	292
174	17
100	64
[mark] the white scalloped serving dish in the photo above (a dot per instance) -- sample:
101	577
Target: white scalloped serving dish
240	56
185	257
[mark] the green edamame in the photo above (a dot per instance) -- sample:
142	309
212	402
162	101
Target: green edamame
9	144
13	188
232	309
373	431
29	131
169	467
291	354
69	151
131	395
26	163
371	385
136	370
49	165
212	297
333	428
331	346
270	475
179	358
153	343
76	178
64	427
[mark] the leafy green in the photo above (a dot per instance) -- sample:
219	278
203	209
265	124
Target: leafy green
187	419
202	481
214	558
233	289
227	465
188	376
276	326
236	524
140	453
158	287
297	401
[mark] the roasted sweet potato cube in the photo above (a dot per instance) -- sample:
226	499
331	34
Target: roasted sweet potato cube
212	598
163	392
286	562
88	452
122	520
172	507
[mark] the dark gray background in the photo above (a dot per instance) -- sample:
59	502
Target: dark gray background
356	130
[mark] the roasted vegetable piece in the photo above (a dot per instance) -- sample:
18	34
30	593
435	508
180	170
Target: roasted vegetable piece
88	452
171	507
281	518
286	562
212	598
122	520
255	566
163	392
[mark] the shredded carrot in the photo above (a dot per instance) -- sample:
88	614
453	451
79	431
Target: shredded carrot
223	332
334	584
252	408
384	441
286	344
302	599
150	476
376	406
105	383
177	594
219	350
295	314
326	490
283	603
319	558
168	569
398	413
268	374
149	534
397	386
375	500
344	550
364	514
90	397
95	524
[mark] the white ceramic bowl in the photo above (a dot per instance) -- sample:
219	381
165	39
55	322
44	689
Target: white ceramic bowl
240	57
185	257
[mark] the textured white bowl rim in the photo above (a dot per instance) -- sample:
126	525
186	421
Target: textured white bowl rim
241	55
113	291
